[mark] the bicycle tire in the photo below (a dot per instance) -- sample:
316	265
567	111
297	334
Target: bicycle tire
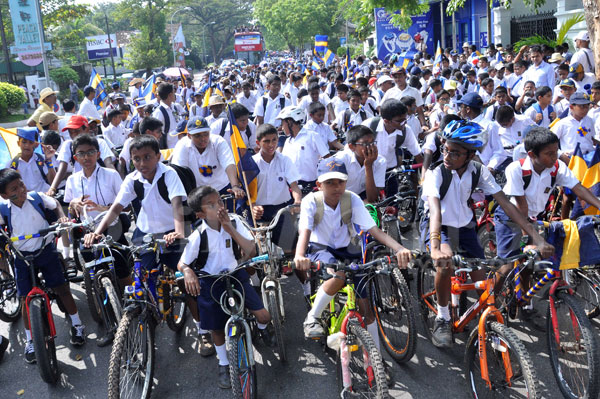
111	303
90	294
568	309
392	228
361	387
395	315
242	374
426	294
10	303
174	301
587	288
43	343
276	320
487	240
524	383
133	347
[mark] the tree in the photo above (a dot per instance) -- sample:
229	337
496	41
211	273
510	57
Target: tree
297	21
591	11
361	12
68	40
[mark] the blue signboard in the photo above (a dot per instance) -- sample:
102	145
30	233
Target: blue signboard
101	53
342	41
24	16
391	40
483	39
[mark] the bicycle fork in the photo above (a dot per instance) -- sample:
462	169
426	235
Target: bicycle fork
269	284
231	330
38	292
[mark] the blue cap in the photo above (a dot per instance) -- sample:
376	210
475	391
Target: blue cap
28	133
579	98
322	83
415	70
115	85
453	52
472	100
182	127
331	168
197	125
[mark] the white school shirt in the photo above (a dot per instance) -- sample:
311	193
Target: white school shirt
493	154
102	187
220	247
156	216
585	85
250	142
561	106
339	106
293	92
187	95
332	231
532	113
323	130
305	150
539	188
307	100
64	153
585	57
26	220
158	114
208	166
515	134
272	110
515	84
126	155
274	179
415	125
248	102
397	93
386	142
542	75
354	119
210	119
567	130
116	135
454	208
30	173
88	109
62	122
356	172
370	105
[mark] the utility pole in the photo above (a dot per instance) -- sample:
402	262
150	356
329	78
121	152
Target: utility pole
42	49
489	23
442	25
112	58
5	49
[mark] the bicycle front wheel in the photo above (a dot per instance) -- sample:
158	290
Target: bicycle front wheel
43	342
276	320
394	313
175	303
574	352
503	348
242	373
587	289
90	292
365	365
10	304
111	304
131	368
426	294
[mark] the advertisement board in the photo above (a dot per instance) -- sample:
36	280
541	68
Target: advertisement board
248	42
99	48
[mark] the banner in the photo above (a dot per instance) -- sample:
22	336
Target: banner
391	40
248	42
179	48
98	47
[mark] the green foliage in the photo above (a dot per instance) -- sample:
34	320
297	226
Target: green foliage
63	75
560	38
566	27
11	96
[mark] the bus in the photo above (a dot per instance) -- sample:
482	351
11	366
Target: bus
249	46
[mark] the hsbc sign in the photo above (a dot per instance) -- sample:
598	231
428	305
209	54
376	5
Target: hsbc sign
98	47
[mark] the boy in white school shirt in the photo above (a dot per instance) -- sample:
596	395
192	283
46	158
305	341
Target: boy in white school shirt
271	103
37	170
353	116
316	122
247	128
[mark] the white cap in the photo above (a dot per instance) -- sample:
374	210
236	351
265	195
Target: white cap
466	44
499	66
583	35
384	78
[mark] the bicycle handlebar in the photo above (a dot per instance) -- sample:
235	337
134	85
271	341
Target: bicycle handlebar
405	169
149	241
275	220
348	267
395	198
249	263
470	264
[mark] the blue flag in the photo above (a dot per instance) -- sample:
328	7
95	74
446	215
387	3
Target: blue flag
98	85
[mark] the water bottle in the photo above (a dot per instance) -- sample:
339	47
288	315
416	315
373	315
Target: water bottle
345	359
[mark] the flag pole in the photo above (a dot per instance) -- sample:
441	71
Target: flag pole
248	195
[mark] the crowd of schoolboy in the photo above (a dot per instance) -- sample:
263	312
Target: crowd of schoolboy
325	141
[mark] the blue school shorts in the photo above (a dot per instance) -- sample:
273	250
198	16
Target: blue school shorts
468	242
47	262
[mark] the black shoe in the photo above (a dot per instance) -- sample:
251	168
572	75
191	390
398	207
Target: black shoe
3	346
70	268
29	352
224	380
442	333
78	335
105	340
267	335
389	374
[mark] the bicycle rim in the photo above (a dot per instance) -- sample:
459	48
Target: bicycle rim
132	358
242	373
111	304
500	340
390	298
426	295
43	342
587	289
10	305
175	300
575	359
276	320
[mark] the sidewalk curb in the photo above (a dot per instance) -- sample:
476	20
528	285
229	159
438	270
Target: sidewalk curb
14	124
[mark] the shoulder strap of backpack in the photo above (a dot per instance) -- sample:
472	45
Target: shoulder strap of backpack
14	163
162	188
475	175
281	103
446	180
553	174
203	250
223	127
138	188
5	213
525	174
40	164
265	101
538	110
374	123
363	114
346	119
237	252
494	112
320	208
166	117
38	203
346	211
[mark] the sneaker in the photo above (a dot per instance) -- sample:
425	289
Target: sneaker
224	381
313	330
207	348
104	340
70	268
442	333
29	352
389	374
78	335
3	346
267	335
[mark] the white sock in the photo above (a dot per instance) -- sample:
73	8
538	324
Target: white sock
529	306
261	326
66	252
222	355
374	331
28	335
75	320
254	280
321	301
443	312
306	288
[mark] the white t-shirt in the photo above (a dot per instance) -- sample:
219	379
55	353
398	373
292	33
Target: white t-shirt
274	179
305	150
101	187
27	220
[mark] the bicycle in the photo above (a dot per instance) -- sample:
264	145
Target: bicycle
238	328
148	302
497	362
406	209
38	302
359	372
486	227
272	295
10	304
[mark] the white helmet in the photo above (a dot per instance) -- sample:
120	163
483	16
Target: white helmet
296	113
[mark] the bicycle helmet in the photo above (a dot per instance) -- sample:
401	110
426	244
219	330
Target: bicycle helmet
468	134
292	112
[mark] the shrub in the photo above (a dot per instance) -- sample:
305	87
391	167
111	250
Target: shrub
63	75
11	96
3	104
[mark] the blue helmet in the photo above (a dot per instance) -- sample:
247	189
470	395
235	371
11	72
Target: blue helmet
468	134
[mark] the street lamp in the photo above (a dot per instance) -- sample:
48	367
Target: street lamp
173	41
204	55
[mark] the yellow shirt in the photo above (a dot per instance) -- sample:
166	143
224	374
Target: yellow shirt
43	107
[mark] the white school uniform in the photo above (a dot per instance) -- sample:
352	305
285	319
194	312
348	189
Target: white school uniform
514	135
570	131
397	93
307	100
354	119
248	135
386	142
158	114
356	172
248	102
27	220
323	130
115	135
305	150
101	187
532	113
274	179
339	106
272	109
30	173
64	153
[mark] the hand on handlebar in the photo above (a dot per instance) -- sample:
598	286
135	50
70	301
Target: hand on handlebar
441	258
171	237
295	208
302	263
404	256
90	238
546	250
64	219
257	211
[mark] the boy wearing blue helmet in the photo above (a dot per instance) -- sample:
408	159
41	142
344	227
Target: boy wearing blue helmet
448	224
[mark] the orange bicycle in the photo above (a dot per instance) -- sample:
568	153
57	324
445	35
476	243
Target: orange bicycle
497	363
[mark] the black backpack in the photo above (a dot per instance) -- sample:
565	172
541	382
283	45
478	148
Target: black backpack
203	250
266	100
447	177
399	139
165	114
224	125
346	119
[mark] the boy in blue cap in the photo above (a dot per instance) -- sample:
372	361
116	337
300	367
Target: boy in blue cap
37	170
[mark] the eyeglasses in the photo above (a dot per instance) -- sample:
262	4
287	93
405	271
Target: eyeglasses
83	154
367	144
453	155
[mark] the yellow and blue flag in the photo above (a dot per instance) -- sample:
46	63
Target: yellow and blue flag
574	241
315	65
328	57
317	55
321	43
587	170
208	91
438	56
405	59
577	164
149	90
96	83
247	169
346	63
9	147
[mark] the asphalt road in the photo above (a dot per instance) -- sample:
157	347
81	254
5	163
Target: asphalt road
310	372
